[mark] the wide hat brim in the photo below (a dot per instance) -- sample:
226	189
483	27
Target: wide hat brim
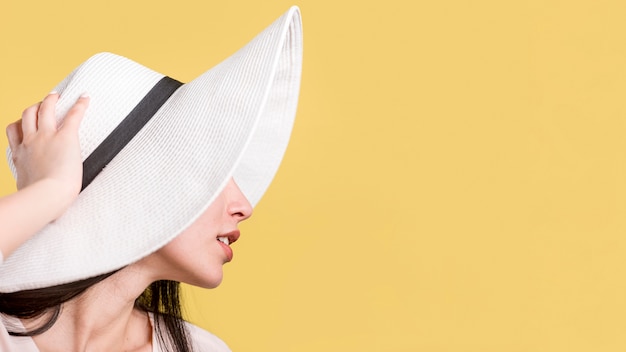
232	121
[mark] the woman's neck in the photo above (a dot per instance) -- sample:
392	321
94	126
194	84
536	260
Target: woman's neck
102	319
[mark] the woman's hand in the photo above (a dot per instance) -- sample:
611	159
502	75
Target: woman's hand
46	153
49	171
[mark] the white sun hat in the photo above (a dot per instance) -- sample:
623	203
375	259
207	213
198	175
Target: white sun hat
184	142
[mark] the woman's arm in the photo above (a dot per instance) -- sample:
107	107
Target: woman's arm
49	170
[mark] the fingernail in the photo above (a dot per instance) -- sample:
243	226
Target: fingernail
53	92
84	95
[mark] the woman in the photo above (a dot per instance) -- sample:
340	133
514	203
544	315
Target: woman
168	171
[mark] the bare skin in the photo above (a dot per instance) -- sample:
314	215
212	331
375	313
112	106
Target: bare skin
85	326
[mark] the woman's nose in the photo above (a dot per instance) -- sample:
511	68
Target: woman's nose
238	204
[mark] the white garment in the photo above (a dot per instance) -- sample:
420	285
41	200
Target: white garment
203	341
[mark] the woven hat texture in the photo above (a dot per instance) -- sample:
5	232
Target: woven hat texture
232	121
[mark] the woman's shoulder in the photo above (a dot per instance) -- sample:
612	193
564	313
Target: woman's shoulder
204	341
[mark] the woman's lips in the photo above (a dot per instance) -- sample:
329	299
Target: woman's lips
225	241
227	250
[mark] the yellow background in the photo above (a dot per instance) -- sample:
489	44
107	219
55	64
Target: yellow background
456	179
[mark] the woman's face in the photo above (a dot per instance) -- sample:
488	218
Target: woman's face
196	255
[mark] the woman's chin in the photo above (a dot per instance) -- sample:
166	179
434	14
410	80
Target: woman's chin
206	281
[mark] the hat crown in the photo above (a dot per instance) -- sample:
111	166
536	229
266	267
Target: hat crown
117	83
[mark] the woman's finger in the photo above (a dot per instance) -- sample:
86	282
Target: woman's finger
14	134
29	119
75	114
46	118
